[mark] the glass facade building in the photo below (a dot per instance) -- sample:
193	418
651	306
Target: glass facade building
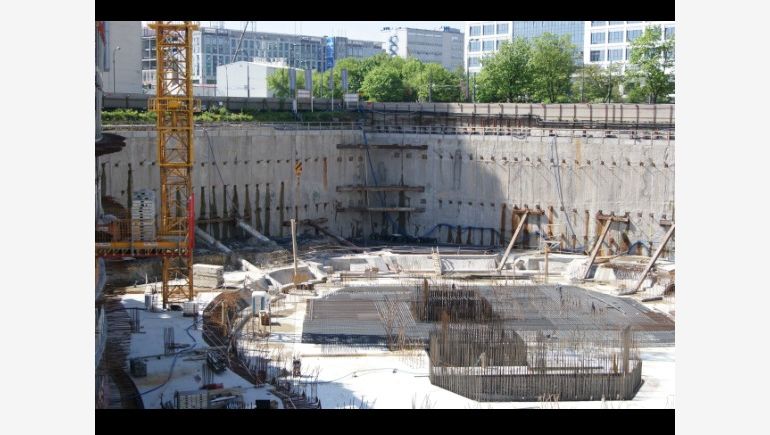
608	42
485	37
533	29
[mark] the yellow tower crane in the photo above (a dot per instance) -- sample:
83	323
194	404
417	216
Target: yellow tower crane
174	106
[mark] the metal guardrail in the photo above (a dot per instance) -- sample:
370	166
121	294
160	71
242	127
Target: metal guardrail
523	132
593	113
248	125
517	132
612	113
311	125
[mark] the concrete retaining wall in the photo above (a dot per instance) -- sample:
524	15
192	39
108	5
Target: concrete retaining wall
470	181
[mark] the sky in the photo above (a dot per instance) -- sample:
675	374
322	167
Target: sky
352	29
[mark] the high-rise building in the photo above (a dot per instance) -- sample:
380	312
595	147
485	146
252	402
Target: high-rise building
218	46
444	45
485	37
608	42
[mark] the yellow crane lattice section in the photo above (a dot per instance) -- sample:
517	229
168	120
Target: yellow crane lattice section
174	106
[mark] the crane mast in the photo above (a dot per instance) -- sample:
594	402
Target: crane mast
174	106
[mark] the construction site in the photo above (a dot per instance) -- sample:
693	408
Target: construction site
443	255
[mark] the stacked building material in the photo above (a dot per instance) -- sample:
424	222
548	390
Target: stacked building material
190	308
138	368
143	216
208	275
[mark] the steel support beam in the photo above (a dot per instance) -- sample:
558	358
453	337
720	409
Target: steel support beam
381	147
597	247
254	233
382	209
337	238
653	259
393	188
513	240
212	241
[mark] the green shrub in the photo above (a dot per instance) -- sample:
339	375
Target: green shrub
220	114
117	116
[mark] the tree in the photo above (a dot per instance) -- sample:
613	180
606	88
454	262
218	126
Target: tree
383	83
380	78
609	82
355	73
463	75
411	71
321	84
506	75
552	63
372	62
278	82
595	84
444	86
634	93
650	68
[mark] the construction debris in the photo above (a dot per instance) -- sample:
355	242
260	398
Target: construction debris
208	276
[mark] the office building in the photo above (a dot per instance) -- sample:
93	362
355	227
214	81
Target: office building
122	57
608	42
213	47
444	46
340	47
485	37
